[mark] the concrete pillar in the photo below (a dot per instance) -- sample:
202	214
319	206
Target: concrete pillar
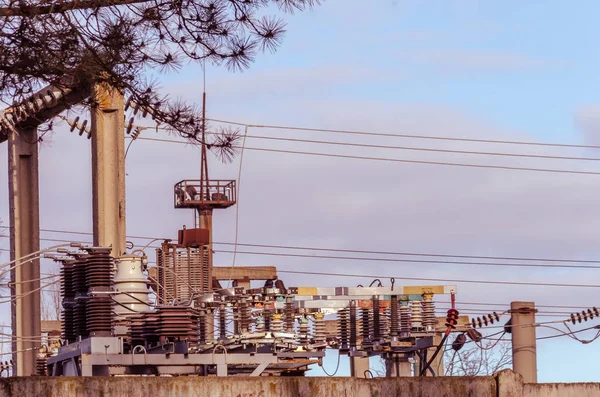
397	365
358	366
108	169
24	239
523	340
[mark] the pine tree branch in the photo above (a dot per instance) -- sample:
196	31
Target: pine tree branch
61	7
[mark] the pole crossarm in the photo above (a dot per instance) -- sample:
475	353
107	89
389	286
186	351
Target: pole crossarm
39	108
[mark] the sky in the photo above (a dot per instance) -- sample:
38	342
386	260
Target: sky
509	70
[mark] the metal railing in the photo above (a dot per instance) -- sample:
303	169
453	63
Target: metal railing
214	192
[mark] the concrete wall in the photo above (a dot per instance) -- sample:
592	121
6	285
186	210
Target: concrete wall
246	387
562	390
504	384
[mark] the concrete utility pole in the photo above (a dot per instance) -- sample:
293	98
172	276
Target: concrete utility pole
359	366
24	240
108	169
523	340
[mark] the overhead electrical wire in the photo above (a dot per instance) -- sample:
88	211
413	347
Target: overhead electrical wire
397	160
432	137
356	251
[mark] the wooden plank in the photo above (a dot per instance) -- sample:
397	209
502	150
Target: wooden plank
244	273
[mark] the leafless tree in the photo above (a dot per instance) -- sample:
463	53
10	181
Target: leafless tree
479	359
78	43
50	303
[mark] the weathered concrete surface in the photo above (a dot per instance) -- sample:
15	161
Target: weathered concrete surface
562	390
510	384
246	387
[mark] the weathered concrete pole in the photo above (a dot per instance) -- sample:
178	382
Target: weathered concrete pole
523	340
108	169
359	366
24	240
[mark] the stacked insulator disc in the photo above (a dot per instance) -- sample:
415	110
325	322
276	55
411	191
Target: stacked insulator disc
344	328
99	281
415	315
428	310
136	330
276	322
245	313
81	297
288	309
67	292
367	330
394	314
151	333
178	323
319	328
376	320
202	329
404	320
41	369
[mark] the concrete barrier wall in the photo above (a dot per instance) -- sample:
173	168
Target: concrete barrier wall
504	384
562	390
246	387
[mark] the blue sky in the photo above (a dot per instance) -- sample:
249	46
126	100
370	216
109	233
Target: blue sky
491	70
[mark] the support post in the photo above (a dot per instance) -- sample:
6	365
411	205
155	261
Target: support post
359	366
523	340
108	169
24	240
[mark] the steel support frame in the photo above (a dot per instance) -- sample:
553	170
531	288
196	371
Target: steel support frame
23	180
108	169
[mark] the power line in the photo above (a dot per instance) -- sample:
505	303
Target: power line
441	279
311	248
396	160
420	149
431	137
392	260
398	253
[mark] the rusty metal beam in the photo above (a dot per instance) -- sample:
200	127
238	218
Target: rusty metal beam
244	273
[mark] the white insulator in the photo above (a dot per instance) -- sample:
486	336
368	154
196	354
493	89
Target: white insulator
276	323
416	317
429	320
404	319
132	287
319	328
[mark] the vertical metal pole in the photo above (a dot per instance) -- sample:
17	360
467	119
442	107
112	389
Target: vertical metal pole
108	169
523	340
205	222
24	239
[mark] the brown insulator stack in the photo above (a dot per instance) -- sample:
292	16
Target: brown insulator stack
151	332
99	276
367	328
405	320
178	323
376	320
394	320
222	322
80	326
137	324
353	330
245	320
344	328
41	369
288	309
67	292
202	327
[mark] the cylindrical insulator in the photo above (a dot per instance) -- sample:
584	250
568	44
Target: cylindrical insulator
267	320
404	320
366	325
428	313
376	320
276	322
244	314
319	330
415	315
222	322
384	324
202	334
353	325
288	309
394	323
303	331
343	329
40	365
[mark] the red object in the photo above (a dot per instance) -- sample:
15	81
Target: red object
193	237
